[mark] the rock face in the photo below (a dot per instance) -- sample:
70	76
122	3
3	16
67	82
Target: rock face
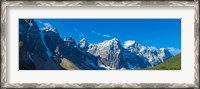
114	56
110	54
73	54
44	49
154	56
32	50
83	44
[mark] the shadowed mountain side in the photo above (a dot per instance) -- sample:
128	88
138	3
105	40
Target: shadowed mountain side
44	49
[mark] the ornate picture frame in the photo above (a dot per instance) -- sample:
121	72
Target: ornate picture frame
4	39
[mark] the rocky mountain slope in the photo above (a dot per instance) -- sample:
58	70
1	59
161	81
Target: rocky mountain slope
173	63
154	56
44	49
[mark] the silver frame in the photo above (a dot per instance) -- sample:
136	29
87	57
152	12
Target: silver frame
6	4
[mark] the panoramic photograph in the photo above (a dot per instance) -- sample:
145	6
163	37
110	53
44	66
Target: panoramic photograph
99	44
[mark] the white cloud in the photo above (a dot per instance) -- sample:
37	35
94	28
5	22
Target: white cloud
96	33
81	35
174	51
47	25
99	34
106	35
128	43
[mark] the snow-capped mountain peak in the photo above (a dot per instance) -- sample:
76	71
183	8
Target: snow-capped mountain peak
109	54
108	43
83	40
155	56
162	49
83	43
70	41
115	39
48	28
129	43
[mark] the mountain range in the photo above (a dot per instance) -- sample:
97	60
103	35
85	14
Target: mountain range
44	49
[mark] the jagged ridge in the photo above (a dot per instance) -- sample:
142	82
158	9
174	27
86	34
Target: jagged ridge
45	46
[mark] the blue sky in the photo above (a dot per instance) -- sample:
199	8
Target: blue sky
159	33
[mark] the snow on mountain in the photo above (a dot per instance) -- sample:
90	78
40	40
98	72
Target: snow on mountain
42	37
83	44
128	43
109	54
29	56
46	32
135	47
70	41
108	43
33	54
174	51
135	54
114	56
155	56
105	47
48	28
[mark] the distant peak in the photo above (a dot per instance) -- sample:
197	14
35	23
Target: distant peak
45	28
70	38
129	43
115	39
162	48
53	30
83	43
49	28
151	48
112	42
83	40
